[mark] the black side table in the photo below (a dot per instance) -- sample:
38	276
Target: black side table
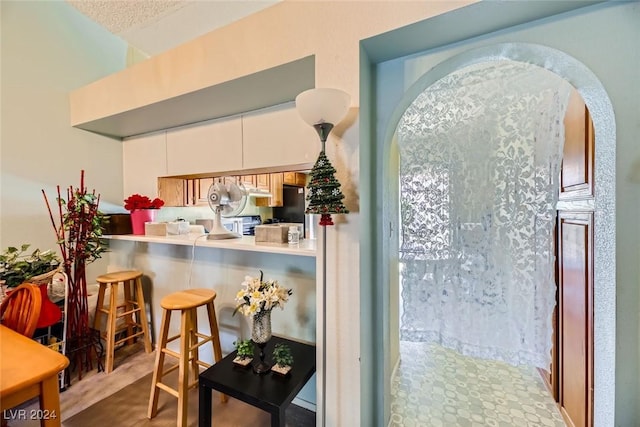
270	392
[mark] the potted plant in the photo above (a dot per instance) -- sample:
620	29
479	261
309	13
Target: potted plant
244	354
282	358
78	233
142	210
17	266
257	298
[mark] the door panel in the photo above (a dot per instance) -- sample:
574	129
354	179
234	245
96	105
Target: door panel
572	355
576	178
575	314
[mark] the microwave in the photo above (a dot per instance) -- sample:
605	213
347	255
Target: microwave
235	225
244	225
232	224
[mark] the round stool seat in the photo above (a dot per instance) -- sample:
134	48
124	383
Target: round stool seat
188	299
119	276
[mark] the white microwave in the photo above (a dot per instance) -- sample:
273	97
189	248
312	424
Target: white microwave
235	225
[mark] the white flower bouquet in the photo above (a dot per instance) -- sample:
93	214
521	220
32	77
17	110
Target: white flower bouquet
258	295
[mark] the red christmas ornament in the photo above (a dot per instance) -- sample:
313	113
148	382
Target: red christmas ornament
325	219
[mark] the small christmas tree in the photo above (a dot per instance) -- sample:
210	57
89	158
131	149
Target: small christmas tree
324	196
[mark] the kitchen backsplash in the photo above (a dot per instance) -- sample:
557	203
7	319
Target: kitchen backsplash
192	213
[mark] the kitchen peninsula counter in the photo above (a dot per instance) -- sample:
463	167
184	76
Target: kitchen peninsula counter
306	247
177	262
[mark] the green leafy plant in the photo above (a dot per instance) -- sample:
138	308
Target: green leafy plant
245	349
282	355
18	266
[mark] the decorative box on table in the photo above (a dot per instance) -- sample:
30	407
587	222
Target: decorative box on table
166	228
117	223
271	233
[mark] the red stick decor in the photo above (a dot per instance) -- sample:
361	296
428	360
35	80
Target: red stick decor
78	235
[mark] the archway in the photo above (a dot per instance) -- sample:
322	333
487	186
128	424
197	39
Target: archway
600	107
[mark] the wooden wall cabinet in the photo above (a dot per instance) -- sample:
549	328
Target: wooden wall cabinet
295	178
211	146
247	180
173	191
180	192
262	181
144	159
202	185
276	181
277	136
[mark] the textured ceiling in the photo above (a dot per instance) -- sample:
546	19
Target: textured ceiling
118	16
154	26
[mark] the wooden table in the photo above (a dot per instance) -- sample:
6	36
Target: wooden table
270	392
27	370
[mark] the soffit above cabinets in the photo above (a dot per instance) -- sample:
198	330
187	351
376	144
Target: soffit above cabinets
262	89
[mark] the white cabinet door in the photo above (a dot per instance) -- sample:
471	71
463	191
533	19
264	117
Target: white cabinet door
277	136
207	147
144	159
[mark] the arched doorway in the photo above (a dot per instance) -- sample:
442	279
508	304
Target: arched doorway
604	241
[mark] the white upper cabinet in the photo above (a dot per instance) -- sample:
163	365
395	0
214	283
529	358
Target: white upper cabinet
277	136
211	146
144	159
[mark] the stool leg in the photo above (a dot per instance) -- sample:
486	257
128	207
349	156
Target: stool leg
194	355
183	370
111	327
142	316
159	366
215	339
213	326
99	306
126	285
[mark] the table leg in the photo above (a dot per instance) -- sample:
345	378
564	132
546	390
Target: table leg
50	402
204	406
277	417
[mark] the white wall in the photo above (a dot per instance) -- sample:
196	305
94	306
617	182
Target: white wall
49	49
605	39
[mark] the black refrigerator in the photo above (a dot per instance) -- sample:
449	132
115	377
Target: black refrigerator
293	205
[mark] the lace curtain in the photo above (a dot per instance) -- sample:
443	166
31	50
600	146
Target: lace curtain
480	152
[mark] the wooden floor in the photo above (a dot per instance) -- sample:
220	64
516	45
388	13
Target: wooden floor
133	364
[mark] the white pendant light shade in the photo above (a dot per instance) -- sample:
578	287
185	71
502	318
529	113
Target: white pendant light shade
323	105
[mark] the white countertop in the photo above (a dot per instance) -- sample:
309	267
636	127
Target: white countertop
306	247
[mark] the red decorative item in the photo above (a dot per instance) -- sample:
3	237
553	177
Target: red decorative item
137	201
325	219
78	233
139	217
142	210
50	313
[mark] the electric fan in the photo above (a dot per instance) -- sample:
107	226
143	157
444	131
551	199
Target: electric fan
225	200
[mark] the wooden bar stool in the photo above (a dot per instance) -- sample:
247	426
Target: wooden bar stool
131	284
187	302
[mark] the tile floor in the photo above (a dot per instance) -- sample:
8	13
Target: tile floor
443	388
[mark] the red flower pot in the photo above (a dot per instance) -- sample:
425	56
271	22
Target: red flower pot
139	217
